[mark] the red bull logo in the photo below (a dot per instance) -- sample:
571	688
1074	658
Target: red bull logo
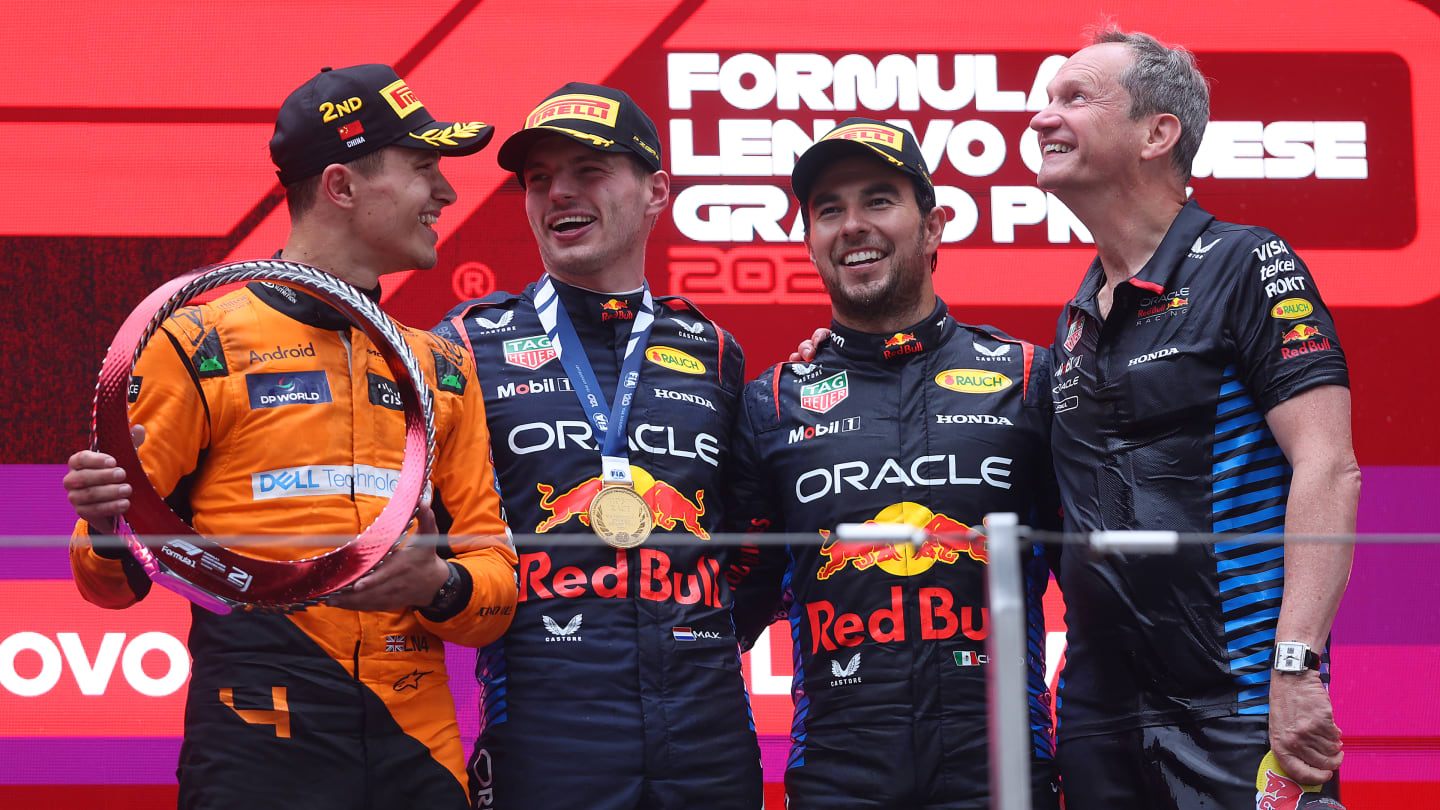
940	620
947	542
1177	302
615	309
642	573
669	507
1302	331
901	343
1274	789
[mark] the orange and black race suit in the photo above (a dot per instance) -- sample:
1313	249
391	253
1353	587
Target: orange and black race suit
267	412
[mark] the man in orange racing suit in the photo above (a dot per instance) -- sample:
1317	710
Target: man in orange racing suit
267	413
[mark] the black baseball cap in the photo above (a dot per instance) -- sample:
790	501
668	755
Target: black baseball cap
599	117
341	115
859	136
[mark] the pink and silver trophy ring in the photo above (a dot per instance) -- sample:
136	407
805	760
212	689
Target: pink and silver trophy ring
203	571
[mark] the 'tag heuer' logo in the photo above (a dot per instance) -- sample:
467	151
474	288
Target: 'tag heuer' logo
674	359
1074	330
972	381
529	352
946	541
888	137
599	109
827	393
400	98
1292	309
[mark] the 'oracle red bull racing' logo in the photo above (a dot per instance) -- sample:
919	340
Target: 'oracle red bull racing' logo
666	503
947	541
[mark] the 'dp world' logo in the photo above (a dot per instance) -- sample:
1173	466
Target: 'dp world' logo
400	98
599	109
888	137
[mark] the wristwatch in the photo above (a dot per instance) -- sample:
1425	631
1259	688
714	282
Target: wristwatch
1294	656
445	597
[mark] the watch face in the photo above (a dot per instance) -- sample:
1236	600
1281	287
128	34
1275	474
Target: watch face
1290	656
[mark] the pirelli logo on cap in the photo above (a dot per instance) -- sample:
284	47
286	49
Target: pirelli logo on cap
400	98
599	109
888	137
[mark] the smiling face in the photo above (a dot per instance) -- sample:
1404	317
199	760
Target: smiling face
870	243
396	208
591	212
1087	137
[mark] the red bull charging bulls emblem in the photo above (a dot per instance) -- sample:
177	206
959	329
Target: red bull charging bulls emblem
669	507
947	542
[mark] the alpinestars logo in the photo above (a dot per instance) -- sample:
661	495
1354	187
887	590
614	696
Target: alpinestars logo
570	632
848	674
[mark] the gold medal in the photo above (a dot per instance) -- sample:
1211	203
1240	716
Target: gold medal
620	516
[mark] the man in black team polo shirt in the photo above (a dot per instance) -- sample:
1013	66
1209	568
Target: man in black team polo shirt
1199	386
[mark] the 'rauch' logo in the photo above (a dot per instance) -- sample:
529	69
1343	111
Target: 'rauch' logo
823	395
1292	309
972	381
674	359
529	352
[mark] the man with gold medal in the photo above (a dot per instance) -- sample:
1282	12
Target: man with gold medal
618	686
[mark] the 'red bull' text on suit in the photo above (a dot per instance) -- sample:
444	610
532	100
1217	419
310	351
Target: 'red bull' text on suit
268	413
618	685
936	425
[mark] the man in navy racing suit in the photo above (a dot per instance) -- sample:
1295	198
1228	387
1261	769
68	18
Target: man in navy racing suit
904	416
1199	387
618	685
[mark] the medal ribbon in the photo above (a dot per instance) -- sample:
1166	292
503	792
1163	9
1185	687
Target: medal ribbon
609	428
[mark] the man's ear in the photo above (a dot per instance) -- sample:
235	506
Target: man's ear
934	229
337	185
1161	136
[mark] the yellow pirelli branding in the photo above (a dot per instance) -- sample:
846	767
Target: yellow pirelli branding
599	109
674	359
400	98
972	381
889	137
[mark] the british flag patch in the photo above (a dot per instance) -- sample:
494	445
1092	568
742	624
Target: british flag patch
394	644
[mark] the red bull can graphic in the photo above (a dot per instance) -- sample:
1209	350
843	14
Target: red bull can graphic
668	505
948	541
1275	790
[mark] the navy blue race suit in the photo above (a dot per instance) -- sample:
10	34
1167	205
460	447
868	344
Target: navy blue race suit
618	685
936	425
